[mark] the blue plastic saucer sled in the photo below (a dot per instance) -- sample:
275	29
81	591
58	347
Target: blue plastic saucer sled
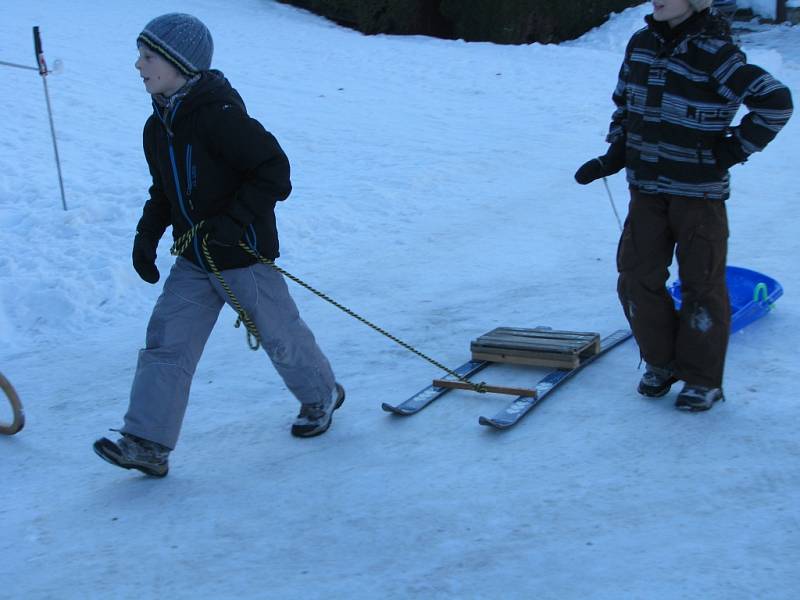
751	293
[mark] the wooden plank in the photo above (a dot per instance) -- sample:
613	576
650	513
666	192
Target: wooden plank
538	347
519	350
537	333
556	345
535	339
497	337
497	352
494	389
543	332
559	361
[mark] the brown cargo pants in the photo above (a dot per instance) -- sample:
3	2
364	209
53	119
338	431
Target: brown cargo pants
693	340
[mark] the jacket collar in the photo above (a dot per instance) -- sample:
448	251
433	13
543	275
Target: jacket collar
168	102
209	86
691	27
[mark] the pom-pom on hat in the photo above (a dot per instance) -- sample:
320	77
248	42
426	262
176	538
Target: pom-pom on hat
700	5
182	39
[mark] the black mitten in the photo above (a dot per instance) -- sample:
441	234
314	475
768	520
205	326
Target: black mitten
602	166
728	152
144	258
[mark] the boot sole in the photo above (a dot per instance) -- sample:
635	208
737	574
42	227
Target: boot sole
696	408
658	393
106	449
317	432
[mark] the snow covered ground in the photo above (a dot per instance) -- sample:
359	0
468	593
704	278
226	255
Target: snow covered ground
434	195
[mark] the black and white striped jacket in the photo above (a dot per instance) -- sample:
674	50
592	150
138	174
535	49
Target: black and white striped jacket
678	92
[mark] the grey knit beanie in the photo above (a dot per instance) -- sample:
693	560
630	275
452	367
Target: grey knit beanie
700	5
182	39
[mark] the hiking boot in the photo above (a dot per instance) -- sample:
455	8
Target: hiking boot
314	419
133	452
696	398
656	381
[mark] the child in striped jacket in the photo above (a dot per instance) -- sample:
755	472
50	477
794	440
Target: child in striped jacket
680	86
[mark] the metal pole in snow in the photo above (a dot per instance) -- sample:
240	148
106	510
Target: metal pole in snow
37	44
780	11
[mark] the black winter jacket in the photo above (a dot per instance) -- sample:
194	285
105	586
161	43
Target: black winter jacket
208	157
678	92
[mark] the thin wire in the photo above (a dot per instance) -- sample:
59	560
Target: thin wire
26	67
613	206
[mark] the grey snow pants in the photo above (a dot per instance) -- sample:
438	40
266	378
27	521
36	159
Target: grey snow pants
180	325
693	340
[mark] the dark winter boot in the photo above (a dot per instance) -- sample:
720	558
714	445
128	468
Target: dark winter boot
656	381
132	452
314	419
696	398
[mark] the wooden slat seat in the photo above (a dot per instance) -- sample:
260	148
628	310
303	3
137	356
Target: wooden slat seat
538	347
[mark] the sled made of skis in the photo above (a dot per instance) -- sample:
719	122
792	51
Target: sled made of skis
522	405
440	387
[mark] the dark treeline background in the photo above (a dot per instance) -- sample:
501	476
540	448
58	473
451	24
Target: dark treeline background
499	21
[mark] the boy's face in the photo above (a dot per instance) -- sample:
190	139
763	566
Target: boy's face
673	12
160	77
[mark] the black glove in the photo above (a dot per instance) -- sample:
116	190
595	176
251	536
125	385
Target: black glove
144	258
602	166
728	151
223	230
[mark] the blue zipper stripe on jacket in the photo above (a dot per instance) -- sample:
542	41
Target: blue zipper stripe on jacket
180	201
254	241
178	183
188	169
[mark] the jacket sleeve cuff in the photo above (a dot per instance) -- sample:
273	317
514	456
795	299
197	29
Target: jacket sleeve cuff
143	229
614	160
729	151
